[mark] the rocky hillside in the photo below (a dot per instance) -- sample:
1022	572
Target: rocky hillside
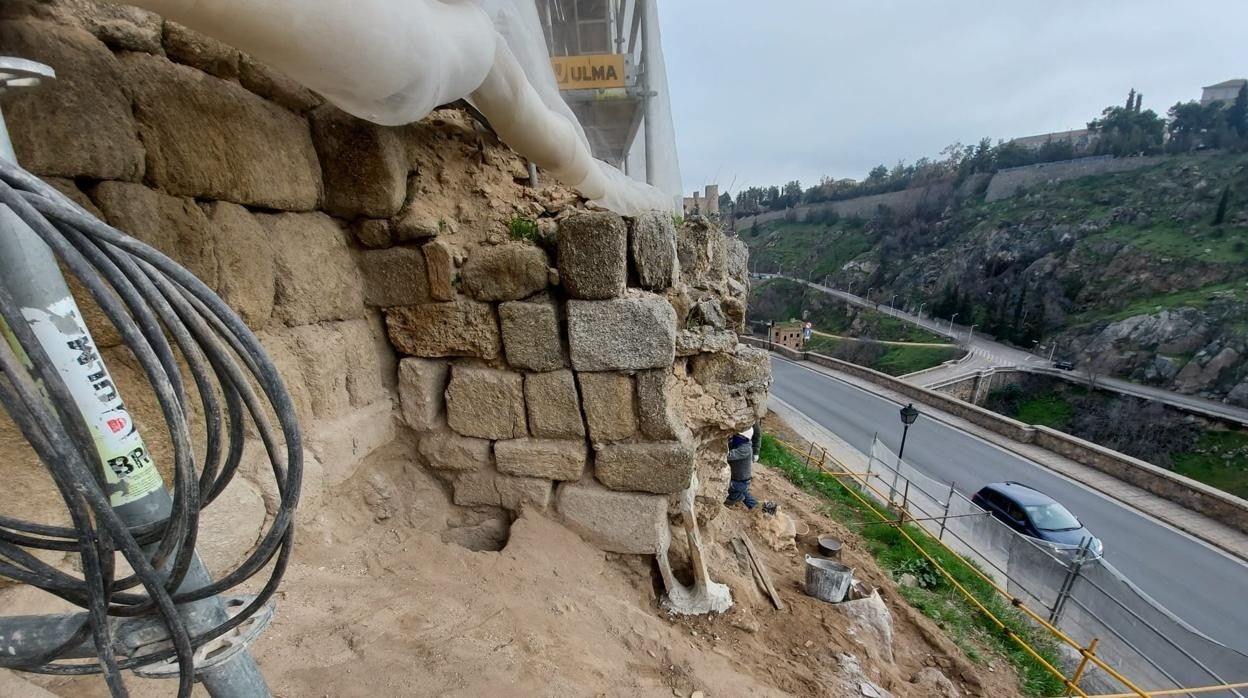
1142	274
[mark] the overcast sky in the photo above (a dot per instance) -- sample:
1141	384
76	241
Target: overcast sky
765	92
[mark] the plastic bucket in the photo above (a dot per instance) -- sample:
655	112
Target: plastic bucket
827	580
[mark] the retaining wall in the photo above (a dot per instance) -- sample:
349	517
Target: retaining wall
902	203
1197	496
1007	183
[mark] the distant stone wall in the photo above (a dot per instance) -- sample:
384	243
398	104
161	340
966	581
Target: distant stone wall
595	352
902	203
1007	183
976	387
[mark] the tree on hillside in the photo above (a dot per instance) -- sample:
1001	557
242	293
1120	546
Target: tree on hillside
878	174
1128	130
1223	202
791	194
1237	115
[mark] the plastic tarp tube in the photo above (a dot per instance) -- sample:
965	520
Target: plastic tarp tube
392	62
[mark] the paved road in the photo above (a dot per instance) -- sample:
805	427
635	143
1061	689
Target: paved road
1196	582
1000	354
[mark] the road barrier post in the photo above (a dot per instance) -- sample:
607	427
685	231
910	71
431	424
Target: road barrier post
1073	684
809	453
1072	573
945	517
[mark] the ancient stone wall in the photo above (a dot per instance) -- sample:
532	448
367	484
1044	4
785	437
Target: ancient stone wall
400	278
1007	183
902	203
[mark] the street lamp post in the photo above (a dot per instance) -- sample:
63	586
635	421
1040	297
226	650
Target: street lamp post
908	415
921	309
970	334
955	317
890	301
1052	350
850	290
771	334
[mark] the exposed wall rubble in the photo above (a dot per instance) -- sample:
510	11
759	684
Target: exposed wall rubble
401	278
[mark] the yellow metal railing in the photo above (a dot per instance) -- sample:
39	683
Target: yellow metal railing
1087	653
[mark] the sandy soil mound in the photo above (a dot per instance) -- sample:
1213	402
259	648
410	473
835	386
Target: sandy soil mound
383	599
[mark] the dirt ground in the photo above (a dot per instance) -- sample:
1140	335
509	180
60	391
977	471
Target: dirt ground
381	601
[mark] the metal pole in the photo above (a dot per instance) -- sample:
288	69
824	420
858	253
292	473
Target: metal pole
28	266
892	490
1064	591
945	517
921	309
905	502
955	315
1083	664
1052	350
810	452
650	42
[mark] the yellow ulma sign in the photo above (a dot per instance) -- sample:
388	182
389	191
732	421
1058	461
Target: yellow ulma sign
589	72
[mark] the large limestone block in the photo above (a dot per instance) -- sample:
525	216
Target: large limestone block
446	450
364	165
279	346
317	281
230	527
659	406
704	339
245	261
547	458
593	255
624	334
737	260
488	488
700	250
122	27
661	468
173	225
80	125
342	443
505	272
486	403
460	328
370	361
618	522
394	276
652	242
531	335
608	399
275	86
554	409
212	139
748	366
323	365
199	51
422	384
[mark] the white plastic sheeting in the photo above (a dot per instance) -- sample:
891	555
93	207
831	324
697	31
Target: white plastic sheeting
393	61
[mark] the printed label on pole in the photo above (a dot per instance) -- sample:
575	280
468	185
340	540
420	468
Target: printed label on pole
129	473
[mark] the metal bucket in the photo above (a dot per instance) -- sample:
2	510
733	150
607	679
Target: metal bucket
830	547
827	580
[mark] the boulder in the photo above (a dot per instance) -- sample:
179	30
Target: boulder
708	312
659	406
198	51
652	242
488	488
275	86
531	335
608	401
700	249
737	260
704	339
212	139
624	334
933	683
445	450
374	233
546	458
245	260
122	27
505	272
554	409
81	125
459	328
593	255
316	279
870	623
1238	395
661	468
422	384
394	276
231	527
371	364
486	402
364	165
617	522
440	268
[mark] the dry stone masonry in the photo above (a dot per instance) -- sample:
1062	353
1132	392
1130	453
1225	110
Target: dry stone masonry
589	367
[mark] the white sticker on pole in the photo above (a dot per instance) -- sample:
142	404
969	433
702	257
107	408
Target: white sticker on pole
129	473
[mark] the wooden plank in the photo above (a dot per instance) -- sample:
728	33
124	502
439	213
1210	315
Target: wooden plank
762	571
746	563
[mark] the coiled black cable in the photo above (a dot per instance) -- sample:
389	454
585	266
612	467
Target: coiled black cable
151	300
